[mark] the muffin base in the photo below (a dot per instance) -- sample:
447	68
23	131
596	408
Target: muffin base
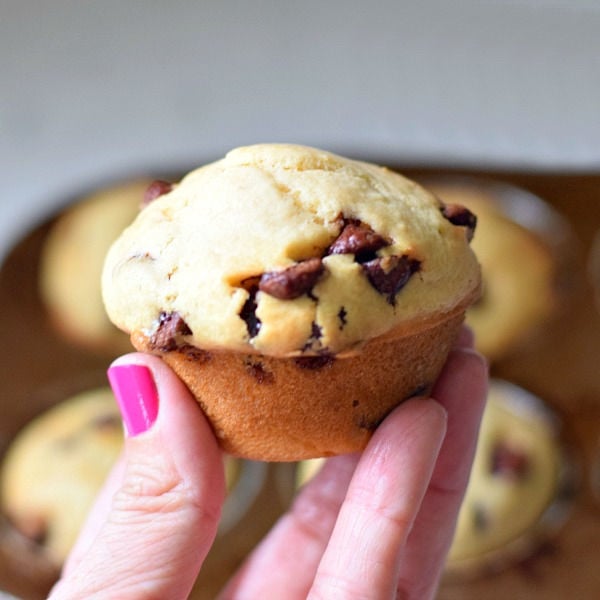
289	409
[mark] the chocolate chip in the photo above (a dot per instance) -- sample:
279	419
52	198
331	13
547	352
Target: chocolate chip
314	362
171	327
481	517
258	371
460	216
509	462
155	190
195	354
342	314
35	528
248	314
359	239
313	342
389	274
292	282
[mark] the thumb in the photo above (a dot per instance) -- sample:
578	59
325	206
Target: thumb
155	520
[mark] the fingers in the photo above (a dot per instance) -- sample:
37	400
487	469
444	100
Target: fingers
400	455
465	338
383	499
285	563
396	489
157	516
96	517
461	389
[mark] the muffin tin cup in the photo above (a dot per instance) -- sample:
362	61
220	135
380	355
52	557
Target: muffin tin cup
552	519
26	569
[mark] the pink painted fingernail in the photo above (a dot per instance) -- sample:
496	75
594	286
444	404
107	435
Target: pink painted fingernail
135	391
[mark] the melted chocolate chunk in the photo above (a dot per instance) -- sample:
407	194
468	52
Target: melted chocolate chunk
258	371
171	327
342	314
248	314
460	216
314	362
389	274
359	239
292	282
155	190
509	462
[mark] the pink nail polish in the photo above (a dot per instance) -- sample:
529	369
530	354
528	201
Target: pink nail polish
135	391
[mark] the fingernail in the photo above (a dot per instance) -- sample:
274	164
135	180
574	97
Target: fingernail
135	391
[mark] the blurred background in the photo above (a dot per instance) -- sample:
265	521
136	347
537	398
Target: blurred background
494	104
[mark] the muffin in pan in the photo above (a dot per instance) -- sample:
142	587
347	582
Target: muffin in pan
55	466
71	264
522	283
300	295
520	486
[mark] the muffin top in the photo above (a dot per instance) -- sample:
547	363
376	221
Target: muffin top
287	250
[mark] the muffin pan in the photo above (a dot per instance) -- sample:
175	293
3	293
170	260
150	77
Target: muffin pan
559	365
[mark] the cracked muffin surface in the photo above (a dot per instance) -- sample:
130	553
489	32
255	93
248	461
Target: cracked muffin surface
286	250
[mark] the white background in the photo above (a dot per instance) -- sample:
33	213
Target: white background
93	90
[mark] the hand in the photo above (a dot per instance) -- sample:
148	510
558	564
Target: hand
374	525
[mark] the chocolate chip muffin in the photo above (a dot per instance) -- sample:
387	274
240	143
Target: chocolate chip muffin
71	265
55	466
300	295
517	475
520	279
